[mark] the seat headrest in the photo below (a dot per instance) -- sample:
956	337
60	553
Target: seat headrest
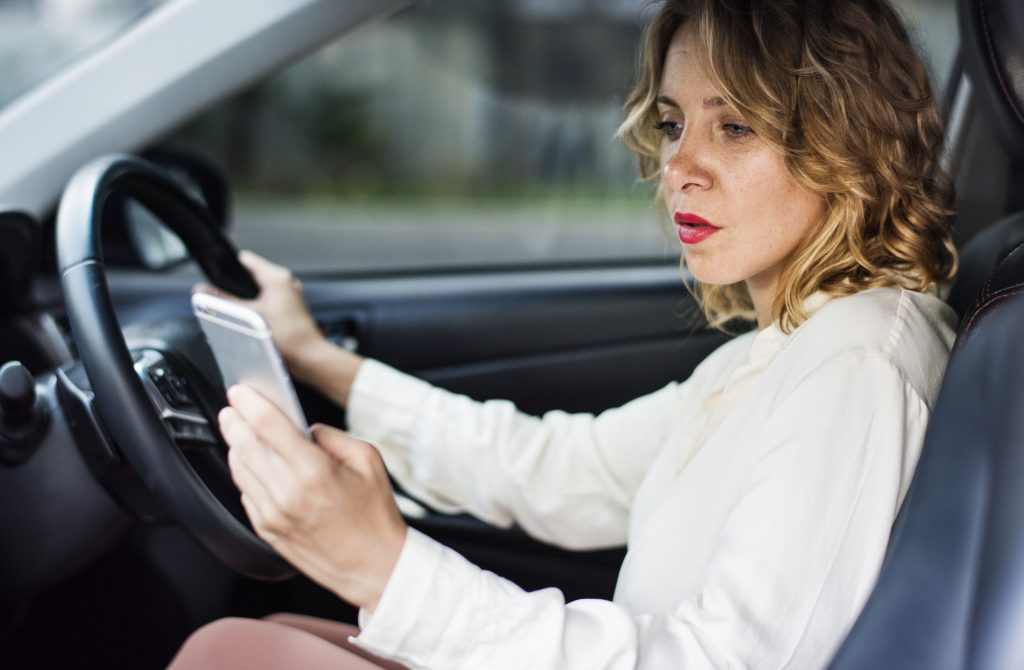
992	37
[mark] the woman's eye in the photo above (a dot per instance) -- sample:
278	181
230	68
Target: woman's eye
670	129
737	129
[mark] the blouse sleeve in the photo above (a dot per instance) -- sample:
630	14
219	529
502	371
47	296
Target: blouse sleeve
568	479
792	567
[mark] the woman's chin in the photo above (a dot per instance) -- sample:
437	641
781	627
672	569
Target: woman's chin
711	276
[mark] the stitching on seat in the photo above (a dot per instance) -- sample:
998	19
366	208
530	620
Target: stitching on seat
978	311
988	280
1012	287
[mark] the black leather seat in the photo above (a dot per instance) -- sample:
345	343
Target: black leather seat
1005	281
992	36
951	591
987	250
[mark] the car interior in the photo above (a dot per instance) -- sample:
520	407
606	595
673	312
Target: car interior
122	532
950	592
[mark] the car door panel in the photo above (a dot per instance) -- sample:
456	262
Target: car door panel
574	340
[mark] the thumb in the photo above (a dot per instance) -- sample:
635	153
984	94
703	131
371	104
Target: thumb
258	265
266	273
339	444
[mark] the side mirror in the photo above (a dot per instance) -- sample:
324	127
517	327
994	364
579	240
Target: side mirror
134	237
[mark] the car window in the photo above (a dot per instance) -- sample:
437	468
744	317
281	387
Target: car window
40	37
460	134
934	25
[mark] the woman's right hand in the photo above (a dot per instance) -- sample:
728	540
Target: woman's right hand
308	354
281	303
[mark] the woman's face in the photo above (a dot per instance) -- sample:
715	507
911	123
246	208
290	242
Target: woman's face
738	212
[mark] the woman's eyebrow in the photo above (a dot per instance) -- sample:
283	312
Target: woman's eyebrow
714	101
708	103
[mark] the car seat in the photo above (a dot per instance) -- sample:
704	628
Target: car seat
951	591
992	37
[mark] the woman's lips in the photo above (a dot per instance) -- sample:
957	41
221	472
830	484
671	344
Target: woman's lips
693	229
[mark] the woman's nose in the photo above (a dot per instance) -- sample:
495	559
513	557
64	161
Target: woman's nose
685	169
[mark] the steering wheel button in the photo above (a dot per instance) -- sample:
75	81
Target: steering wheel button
174	389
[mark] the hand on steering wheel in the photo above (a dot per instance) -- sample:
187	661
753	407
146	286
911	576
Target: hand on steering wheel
140	428
281	303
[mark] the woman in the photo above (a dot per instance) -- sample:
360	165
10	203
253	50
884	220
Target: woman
795	146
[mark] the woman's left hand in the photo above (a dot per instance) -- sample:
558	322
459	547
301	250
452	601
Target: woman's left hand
325	505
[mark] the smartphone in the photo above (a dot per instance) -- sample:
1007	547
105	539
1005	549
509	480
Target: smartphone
246	354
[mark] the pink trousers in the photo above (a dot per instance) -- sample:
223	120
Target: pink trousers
281	642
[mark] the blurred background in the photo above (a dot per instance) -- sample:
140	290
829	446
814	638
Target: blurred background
453	133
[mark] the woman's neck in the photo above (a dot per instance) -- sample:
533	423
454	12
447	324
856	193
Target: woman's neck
762	293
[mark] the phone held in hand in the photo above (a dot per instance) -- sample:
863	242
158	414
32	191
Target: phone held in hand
246	354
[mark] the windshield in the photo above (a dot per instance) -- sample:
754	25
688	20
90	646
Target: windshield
40	37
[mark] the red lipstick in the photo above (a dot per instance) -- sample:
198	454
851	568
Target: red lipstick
693	229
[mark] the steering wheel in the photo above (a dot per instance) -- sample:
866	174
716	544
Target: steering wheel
135	417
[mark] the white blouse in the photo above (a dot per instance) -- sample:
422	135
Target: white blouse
756	499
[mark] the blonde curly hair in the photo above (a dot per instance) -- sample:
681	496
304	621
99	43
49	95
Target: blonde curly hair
836	87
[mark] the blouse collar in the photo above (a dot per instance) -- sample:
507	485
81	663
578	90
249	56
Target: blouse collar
771	339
